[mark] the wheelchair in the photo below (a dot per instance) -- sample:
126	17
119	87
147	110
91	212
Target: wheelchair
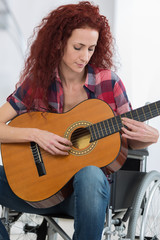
133	212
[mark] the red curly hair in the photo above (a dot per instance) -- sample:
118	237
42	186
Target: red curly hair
50	39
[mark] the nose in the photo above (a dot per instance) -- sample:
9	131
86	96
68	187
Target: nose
84	55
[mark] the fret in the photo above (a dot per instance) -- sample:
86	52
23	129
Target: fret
107	126
140	114
157	109
106	131
148	114
117	124
92	132
95	131
114	122
150	111
132	113
111	125
99	130
124	115
154	109
102	129
119	121
144	115
137	115
128	115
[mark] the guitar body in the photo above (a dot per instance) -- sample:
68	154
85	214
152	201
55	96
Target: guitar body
55	184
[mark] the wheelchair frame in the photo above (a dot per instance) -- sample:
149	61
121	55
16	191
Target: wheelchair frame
127	216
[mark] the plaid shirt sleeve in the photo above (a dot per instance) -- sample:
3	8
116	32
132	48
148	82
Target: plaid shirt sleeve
16	100
22	94
121	99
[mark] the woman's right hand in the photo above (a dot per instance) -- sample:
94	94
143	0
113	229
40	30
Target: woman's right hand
52	143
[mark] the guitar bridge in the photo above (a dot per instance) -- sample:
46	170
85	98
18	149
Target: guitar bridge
38	159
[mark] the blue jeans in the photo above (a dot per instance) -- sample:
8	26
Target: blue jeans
87	204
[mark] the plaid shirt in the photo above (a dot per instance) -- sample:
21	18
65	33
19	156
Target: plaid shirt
100	83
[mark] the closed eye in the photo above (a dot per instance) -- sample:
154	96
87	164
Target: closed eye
89	49
77	48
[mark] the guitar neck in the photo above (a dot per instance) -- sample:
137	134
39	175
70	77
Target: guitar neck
110	126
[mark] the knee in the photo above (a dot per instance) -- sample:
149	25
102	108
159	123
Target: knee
92	179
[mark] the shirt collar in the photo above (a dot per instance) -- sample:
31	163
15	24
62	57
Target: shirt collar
90	82
57	77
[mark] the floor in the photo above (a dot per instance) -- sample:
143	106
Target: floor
67	226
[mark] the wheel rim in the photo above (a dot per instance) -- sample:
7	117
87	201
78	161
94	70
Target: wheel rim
151	216
148	225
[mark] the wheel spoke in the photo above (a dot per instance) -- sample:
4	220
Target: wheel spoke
147	225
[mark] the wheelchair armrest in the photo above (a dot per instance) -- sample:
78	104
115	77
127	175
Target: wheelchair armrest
138	153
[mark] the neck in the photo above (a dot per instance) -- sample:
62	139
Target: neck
69	77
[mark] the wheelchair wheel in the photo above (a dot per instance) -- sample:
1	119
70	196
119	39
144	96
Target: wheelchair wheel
23	226
144	222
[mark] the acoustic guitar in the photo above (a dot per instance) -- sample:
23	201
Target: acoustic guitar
44	180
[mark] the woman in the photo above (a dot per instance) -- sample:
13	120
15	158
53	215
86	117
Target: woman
70	61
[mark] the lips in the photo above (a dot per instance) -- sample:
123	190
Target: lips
80	65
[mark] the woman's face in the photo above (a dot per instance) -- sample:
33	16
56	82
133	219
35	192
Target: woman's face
79	49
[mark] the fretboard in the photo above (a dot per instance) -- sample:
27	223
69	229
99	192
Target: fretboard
110	126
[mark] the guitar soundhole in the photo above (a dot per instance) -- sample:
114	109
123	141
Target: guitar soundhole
80	138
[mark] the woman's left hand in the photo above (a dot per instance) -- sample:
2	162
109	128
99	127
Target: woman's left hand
139	131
